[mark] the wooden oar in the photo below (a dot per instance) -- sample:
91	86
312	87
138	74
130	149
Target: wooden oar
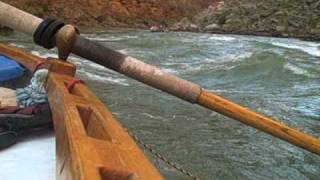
131	67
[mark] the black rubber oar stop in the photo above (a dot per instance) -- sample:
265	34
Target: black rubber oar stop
46	31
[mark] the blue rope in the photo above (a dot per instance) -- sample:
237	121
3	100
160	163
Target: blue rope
34	93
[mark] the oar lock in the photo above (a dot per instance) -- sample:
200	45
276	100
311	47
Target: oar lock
52	32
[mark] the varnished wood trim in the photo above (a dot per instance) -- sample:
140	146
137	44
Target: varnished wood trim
90	143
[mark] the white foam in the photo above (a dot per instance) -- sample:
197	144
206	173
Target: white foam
44	55
83	63
151	116
236	57
103	39
168	70
190	68
131	37
180	67
297	70
230	57
123	51
113	80
35	53
310	48
96	66
222	38
17	45
232	91
155	117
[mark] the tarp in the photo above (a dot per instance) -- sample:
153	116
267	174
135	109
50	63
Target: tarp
9	69
7	97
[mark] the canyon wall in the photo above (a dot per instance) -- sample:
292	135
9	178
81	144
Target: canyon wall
284	18
281	18
118	13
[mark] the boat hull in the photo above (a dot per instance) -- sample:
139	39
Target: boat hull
91	144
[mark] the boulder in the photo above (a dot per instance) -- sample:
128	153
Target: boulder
280	28
185	25
315	31
160	28
155	29
211	27
193	27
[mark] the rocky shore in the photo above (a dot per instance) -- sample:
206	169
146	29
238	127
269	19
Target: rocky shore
285	18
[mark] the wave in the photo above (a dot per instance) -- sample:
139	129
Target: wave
297	70
312	49
222	38
104	38
124	51
131	37
232	57
96	77
44	54
101	39
168	70
17	45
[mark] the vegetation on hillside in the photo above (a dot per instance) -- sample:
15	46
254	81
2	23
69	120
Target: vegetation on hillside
295	18
118	13
286	18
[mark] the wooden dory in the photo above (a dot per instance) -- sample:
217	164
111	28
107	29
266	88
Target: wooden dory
90	143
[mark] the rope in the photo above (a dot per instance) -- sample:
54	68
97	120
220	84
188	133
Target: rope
45	84
38	66
162	158
34	93
72	83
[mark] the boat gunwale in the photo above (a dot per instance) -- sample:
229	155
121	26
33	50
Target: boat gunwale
119	156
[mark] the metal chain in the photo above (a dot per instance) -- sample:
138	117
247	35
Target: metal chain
162	158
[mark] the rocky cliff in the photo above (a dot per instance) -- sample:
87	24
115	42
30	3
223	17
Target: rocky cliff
118	13
284	18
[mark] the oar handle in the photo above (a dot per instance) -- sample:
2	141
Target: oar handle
17	19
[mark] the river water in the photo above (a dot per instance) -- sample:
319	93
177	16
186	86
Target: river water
277	77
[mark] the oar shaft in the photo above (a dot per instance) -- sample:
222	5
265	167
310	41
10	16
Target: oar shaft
253	119
191	92
136	69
